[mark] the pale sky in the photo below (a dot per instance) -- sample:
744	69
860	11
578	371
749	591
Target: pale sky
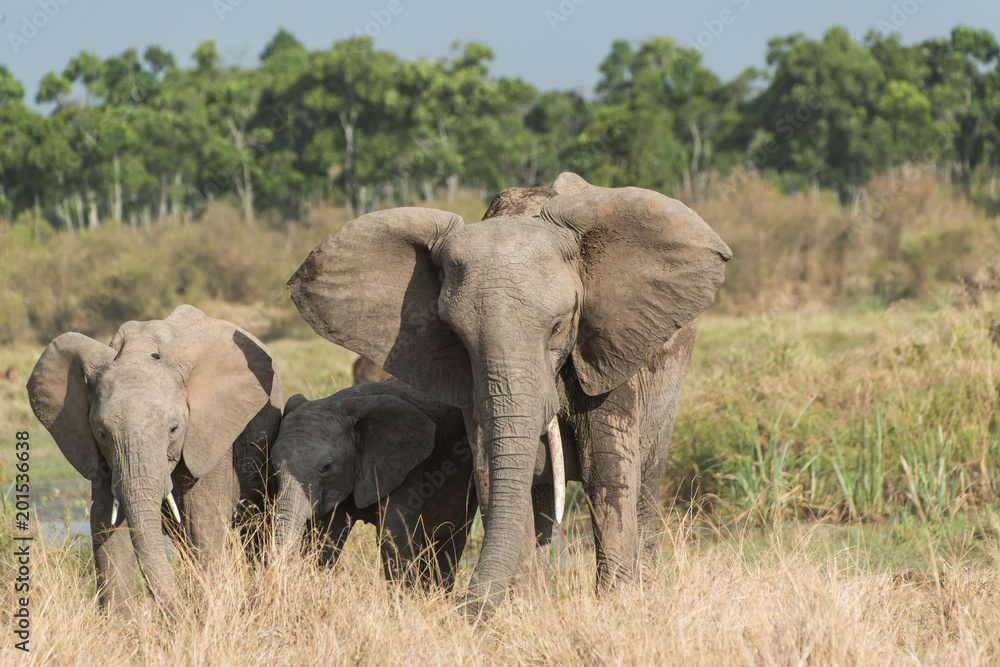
553	44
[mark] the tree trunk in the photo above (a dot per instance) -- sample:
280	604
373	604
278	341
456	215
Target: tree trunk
62	212
695	166
176	198
93	220
244	187
117	211
161	215
348	121
404	190
79	210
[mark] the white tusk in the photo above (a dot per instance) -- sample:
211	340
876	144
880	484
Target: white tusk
558	467
173	506
114	511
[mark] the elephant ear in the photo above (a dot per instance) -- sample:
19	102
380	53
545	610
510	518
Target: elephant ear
60	396
228	377
394	437
373	288
293	402
649	265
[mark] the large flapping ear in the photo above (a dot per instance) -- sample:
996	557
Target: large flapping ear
373	288
649	265
229	378
395	436
59	396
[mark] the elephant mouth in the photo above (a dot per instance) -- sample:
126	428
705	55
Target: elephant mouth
117	519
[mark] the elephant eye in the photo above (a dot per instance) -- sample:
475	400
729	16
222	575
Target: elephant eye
173	429
326	467
556	327
101	433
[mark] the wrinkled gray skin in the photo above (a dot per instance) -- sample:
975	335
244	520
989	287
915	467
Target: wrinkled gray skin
185	405
580	305
383	454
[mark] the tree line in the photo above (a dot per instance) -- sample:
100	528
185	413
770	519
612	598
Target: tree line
140	140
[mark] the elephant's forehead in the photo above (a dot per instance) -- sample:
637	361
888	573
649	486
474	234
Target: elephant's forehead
310	426
140	376
510	239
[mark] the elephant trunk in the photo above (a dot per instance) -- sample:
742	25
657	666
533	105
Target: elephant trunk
291	513
141	499
512	423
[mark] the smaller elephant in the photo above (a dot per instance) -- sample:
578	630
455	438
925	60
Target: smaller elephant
174	417
384	454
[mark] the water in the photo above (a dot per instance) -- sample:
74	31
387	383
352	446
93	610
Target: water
61	509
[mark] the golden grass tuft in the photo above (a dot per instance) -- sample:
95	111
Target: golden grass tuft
715	600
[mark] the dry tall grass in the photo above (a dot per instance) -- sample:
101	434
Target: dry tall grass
791	601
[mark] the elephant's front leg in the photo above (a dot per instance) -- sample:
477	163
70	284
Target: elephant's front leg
331	532
402	537
207	505
607	434
114	558
613	492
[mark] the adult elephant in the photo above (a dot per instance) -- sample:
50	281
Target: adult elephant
174	417
577	302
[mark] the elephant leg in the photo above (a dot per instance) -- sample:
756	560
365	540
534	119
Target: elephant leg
543	506
251	458
207	506
612	488
529	575
114	558
447	552
649	495
332	533
401	540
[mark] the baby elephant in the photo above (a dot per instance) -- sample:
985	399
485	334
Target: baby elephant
384	454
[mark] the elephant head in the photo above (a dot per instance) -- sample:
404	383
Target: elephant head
163	392
484	316
360	441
